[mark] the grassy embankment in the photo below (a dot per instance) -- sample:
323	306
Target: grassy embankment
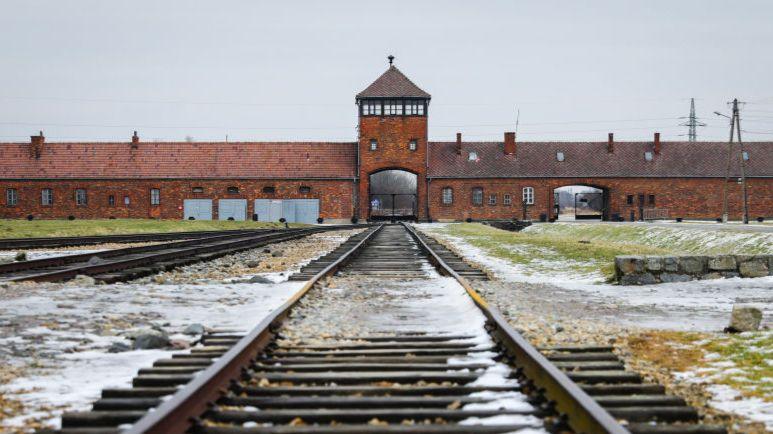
67	228
586	248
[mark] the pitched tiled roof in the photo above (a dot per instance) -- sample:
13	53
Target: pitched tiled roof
392	84
180	160
538	159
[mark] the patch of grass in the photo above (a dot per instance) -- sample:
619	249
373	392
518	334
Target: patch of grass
573	251
67	228
751	373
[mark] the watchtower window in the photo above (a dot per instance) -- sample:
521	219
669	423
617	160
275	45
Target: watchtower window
393	107
373	144
414	108
232	190
412	145
371	108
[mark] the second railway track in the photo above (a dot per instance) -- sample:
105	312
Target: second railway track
399	350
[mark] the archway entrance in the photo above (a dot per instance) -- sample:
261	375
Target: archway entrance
580	202
392	195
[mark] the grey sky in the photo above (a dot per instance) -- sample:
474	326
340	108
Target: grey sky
96	70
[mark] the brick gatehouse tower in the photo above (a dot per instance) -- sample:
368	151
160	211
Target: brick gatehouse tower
392	137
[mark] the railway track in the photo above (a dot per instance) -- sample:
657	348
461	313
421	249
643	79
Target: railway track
36	243
378	358
130	263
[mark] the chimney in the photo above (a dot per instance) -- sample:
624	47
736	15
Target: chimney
36	145
458	143
135	138
611	143
509	143
657	144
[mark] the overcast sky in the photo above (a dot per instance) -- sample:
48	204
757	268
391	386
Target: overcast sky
97	70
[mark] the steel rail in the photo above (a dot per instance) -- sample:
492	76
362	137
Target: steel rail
177	250
584	414
85	240
174	416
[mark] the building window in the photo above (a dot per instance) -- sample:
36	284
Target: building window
528	195
155	196
448	196
393	108
412	145
507	199
269	189
648	156
629	199
472	156
11	197
198	189
413	108
371	108
746	155
80	197
111	200
373	144
232	190
304	189
127	201
477	196
651	200
492	199
46	196
560	156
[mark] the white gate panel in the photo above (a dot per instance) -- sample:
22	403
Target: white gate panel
232	208
199	209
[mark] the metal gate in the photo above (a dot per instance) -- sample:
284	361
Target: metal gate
393	206
199	209
588	206
233	209
292	210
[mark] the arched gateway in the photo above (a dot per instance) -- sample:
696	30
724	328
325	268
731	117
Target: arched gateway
392	195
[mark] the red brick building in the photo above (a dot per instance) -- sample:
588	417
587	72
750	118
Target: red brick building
453	180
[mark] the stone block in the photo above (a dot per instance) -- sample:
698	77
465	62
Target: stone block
712	275
757	267
730	274
692	264
653	263
722	263
629	264
745	319
674	277
638	279
670	263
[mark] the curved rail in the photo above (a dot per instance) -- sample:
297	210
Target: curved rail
174	415
584	415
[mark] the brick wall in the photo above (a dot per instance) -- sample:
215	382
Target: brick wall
687	198
393	135
335	197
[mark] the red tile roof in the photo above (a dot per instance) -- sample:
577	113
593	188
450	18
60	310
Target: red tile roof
180	160
393	84
591	159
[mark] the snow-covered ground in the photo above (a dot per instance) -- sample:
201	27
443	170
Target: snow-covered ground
42	254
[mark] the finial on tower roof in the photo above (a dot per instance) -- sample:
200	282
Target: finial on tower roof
391	59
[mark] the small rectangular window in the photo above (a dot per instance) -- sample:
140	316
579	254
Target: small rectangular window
198	189
648	156
111	200
373	144
651	200
232	190
507	199
472	156
641	200
155	196
80	197
421	109
477	196
46	196
127	201
528	195
746	155
11	197
492	199
269	189
304	189
629	199
448	196
412	145
560	156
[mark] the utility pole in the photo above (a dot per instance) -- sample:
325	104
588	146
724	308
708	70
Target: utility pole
735	122
692	123
742	161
